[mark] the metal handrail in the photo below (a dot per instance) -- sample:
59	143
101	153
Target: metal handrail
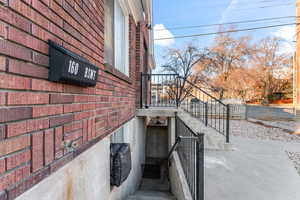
214	98
206	111
177	142
160	74
216	112
190	148
182	78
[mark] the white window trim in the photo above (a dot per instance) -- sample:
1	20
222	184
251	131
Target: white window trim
125	8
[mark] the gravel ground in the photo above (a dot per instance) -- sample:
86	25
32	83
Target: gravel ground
256	131
284	124
295	158
288	126
243	128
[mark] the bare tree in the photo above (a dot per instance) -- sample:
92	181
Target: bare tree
226	55
270	68
233	67
240	84
182	62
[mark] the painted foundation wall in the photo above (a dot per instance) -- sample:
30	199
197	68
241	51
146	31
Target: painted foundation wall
179	186
157	142
88	176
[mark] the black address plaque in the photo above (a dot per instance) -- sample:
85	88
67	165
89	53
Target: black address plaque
68	67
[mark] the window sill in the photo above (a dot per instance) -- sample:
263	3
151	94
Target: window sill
113	71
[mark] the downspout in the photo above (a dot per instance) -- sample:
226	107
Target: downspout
143	8
142	5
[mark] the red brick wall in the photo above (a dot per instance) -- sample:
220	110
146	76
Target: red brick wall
36	115
141	39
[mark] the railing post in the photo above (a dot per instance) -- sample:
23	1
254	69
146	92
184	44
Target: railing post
206	113
176	128
141	90
197	192
177	88
200	167
148	91
227	122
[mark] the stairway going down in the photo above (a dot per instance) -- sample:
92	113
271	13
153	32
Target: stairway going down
153	189
155	184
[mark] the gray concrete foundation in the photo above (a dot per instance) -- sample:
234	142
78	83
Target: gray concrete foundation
88	176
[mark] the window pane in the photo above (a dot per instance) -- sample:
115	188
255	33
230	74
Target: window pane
118	136
109	32
120	40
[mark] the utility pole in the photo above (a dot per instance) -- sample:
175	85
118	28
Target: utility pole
297	69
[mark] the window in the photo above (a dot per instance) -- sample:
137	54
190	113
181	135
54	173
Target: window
123	135
109	32
116	42
118	136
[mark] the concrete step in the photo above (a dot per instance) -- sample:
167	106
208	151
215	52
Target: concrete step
151	195
155	185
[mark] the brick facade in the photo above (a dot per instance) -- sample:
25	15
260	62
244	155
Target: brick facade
37	116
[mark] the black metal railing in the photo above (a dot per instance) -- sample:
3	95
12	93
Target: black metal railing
190	148
158	90
208	109
171	90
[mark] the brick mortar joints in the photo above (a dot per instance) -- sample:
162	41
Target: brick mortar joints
12	192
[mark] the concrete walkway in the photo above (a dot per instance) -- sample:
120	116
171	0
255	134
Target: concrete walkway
255	169
255	166
153	189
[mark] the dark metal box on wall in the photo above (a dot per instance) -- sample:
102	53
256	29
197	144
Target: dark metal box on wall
120	163
68	67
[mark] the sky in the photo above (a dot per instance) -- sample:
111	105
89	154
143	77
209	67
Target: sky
181	13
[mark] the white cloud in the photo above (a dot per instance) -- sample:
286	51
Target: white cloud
287	47
160	31
288	34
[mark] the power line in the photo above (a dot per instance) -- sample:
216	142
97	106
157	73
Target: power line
230	31
276	5
239	8
252	3
266	1
260	7
227	23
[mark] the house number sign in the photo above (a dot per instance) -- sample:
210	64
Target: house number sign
68	67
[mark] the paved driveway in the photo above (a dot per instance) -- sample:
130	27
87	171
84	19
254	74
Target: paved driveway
258	168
